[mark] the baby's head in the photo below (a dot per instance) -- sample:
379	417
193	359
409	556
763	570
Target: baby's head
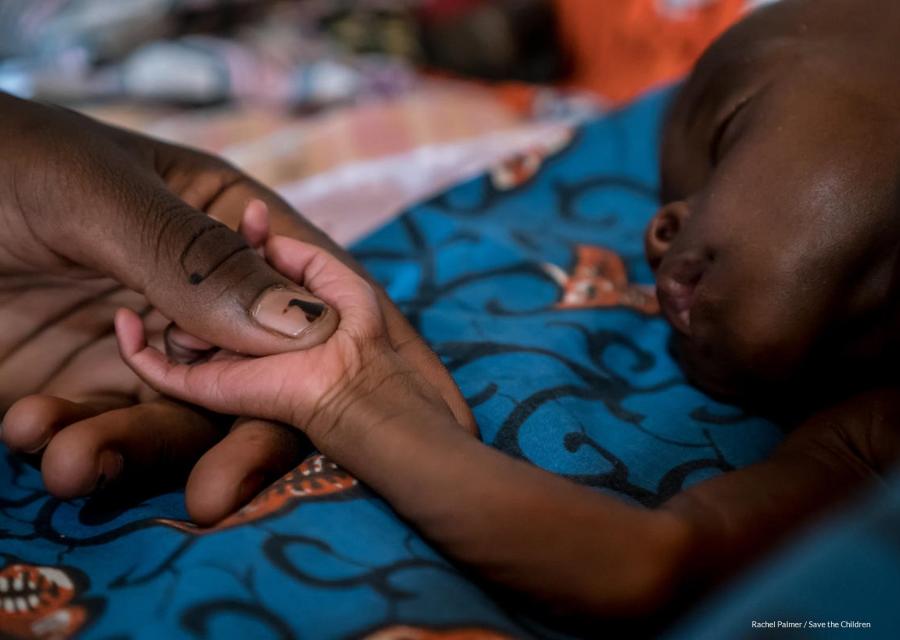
776	248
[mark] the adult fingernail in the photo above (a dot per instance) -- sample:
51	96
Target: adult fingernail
111	465
287	311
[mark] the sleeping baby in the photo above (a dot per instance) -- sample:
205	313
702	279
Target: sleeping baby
775	253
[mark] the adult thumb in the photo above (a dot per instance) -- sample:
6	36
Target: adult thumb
212	284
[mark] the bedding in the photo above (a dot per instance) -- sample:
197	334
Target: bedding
529	282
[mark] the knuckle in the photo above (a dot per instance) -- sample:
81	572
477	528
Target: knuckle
200	179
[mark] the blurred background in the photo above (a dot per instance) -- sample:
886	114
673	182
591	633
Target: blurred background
352	109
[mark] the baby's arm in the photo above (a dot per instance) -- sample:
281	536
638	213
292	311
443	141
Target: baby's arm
523	528
577	549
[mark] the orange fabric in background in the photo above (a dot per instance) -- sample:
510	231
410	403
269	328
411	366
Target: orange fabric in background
621	48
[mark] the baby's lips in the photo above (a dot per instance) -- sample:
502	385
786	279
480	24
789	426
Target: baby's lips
289	312
676	300
676	285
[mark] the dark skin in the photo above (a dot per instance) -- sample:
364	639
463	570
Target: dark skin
95	218
776	251
568	547
773	255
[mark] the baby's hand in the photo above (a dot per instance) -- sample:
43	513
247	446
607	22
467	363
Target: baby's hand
354	377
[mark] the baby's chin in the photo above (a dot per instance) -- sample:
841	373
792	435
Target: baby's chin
813	383
728	380
714	378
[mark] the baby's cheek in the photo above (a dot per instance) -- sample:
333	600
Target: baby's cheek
770	340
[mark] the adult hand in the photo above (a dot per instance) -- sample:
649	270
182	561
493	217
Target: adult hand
94	424
87	208
80	199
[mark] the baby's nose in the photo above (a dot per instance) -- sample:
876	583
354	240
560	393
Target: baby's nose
662	230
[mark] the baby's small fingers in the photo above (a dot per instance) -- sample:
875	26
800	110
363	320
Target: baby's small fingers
234	471
148	363
254	224
185	348
310	265
330	280
31	422
159	440
222	384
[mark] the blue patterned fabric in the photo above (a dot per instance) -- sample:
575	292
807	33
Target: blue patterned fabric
532	288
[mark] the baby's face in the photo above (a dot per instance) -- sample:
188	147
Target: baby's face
776	249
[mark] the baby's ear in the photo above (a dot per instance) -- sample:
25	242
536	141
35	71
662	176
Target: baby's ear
663	229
